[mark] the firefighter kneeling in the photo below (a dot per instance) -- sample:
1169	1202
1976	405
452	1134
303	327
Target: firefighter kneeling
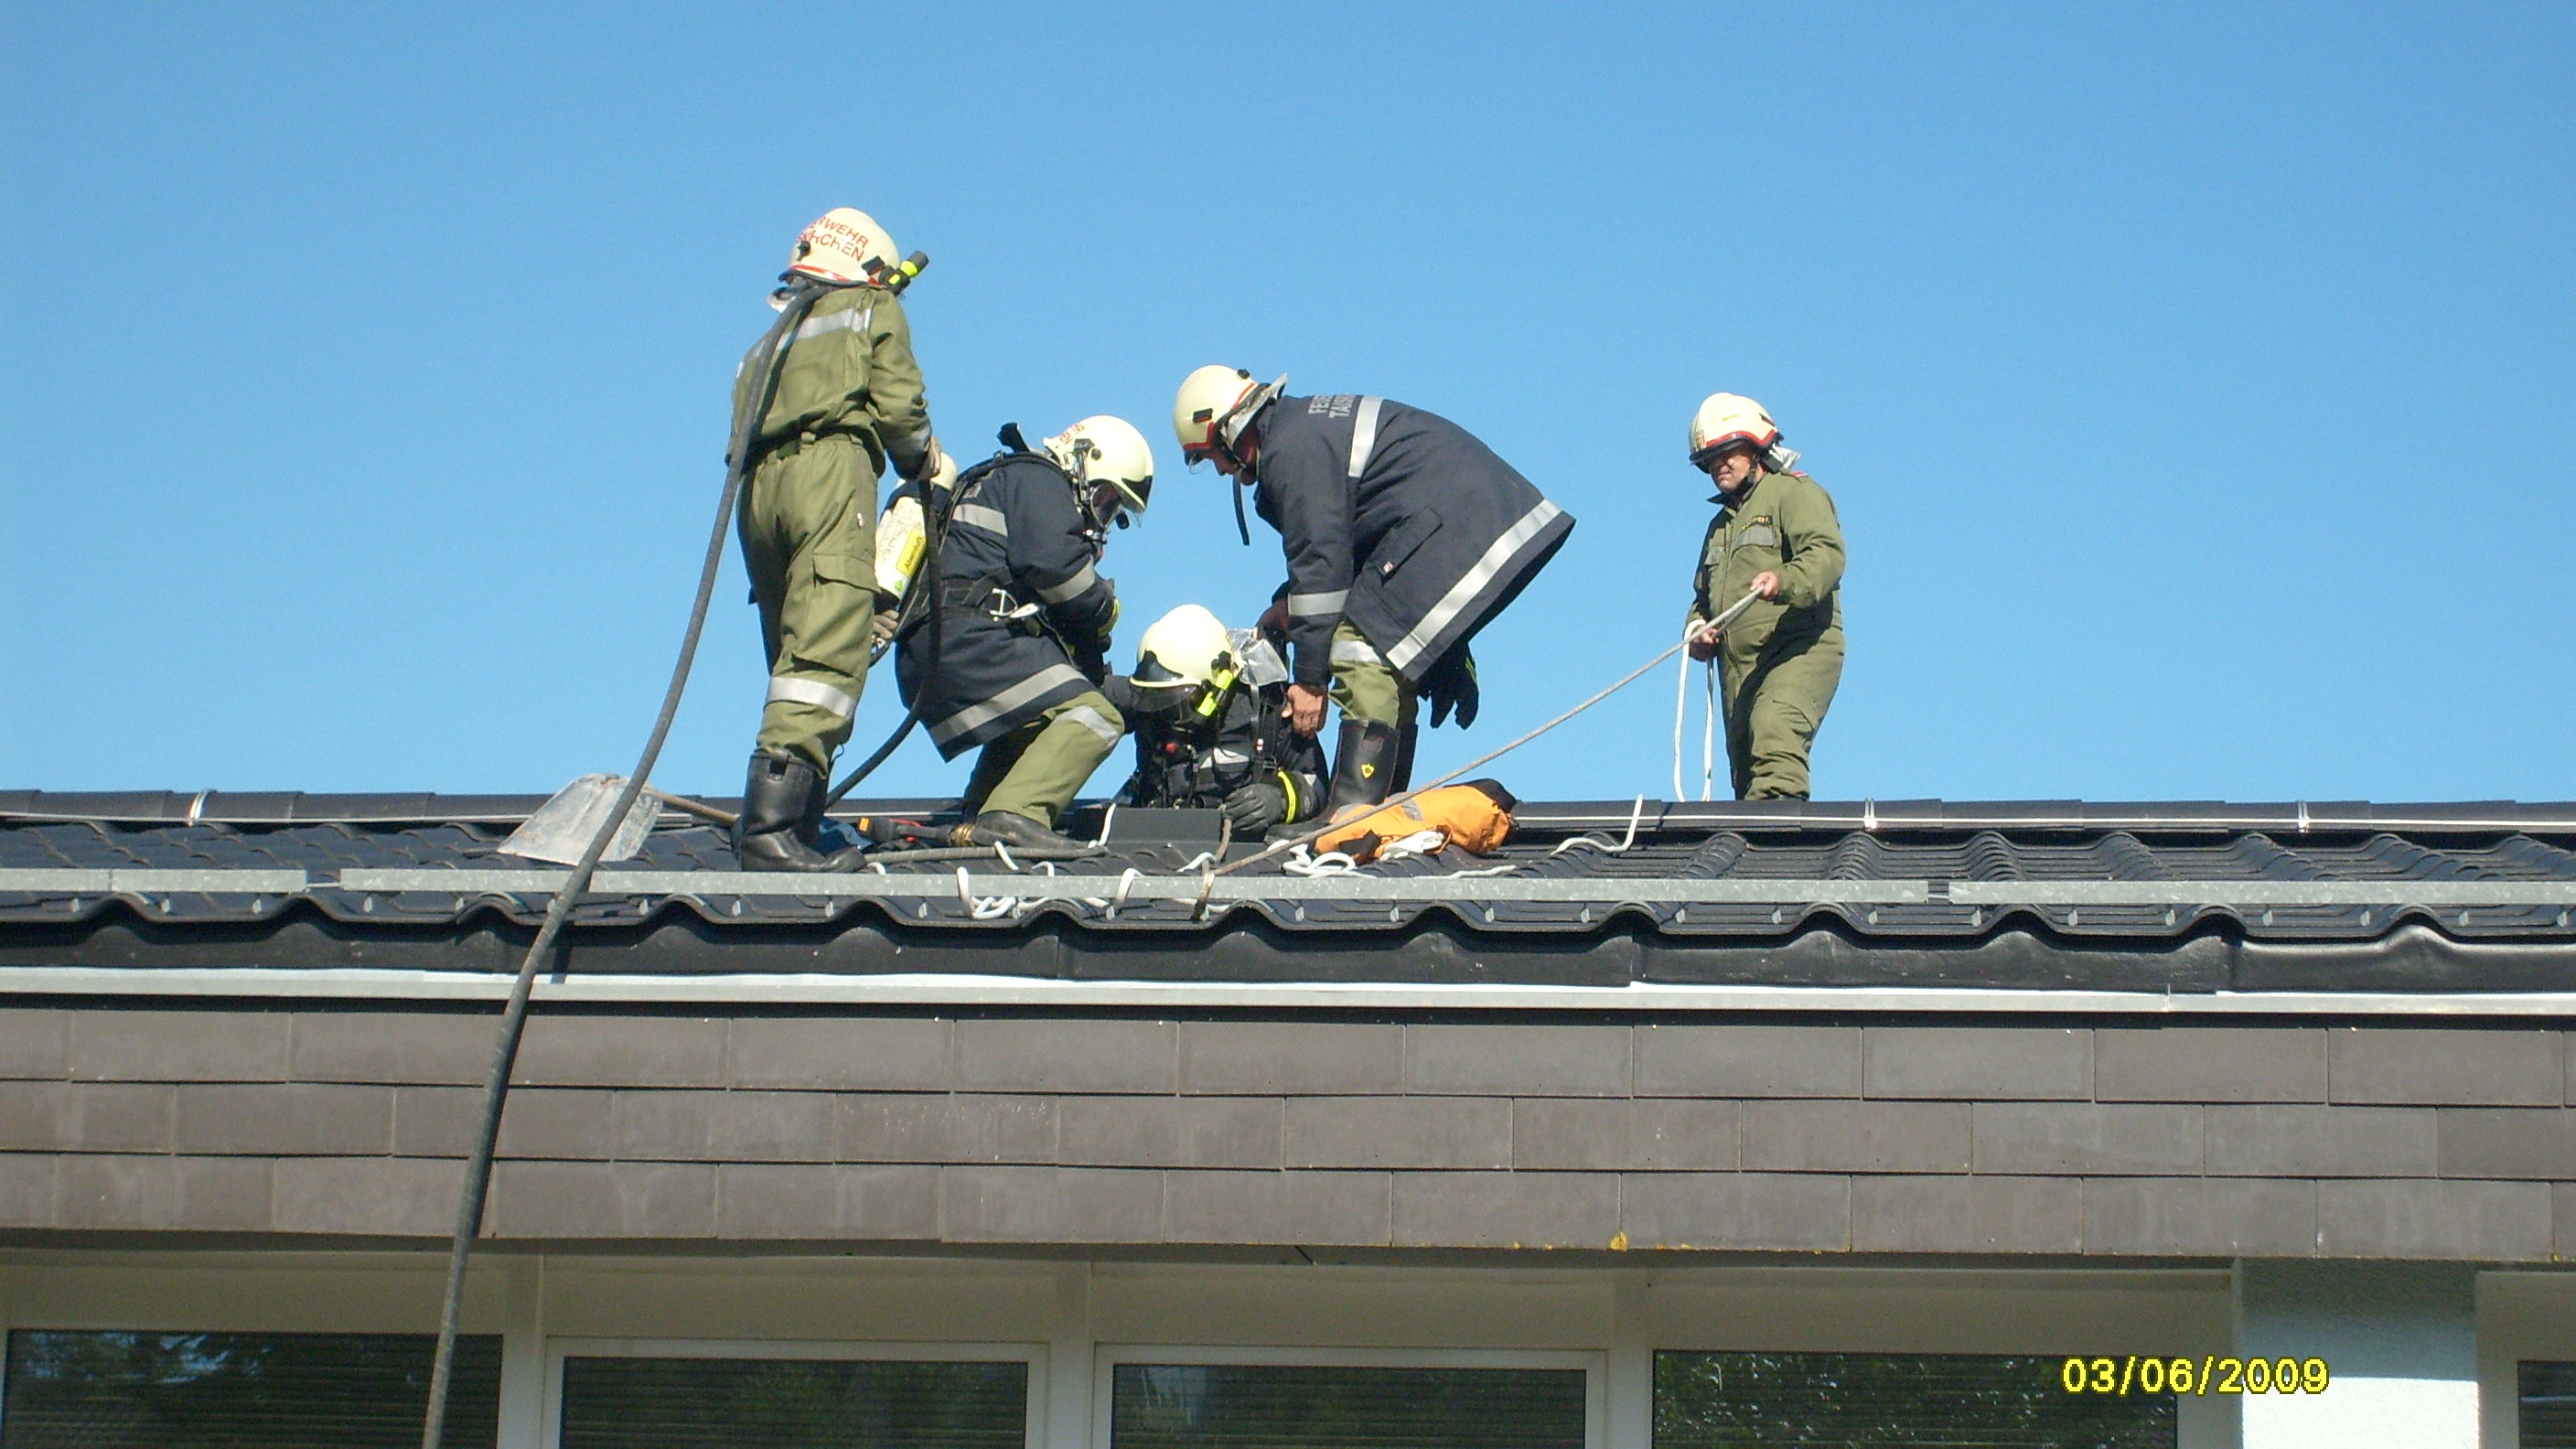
1206	705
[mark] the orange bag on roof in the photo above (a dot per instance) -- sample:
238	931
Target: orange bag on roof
1476	817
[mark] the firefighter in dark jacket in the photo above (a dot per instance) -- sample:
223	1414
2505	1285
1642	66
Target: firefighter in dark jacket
1206	704
1404	535
848	403
1023	626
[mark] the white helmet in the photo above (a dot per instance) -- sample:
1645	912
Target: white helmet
1185	661
1725	420
1107	450
1215	405
843	245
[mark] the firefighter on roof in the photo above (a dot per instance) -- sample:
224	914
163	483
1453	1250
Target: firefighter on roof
1404	535
1776	535
1023	627
848	403
1207	705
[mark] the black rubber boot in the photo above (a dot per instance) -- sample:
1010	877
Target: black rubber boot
775	830
1009	827
1363	765
1404	758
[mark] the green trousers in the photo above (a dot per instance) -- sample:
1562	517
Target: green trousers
1365	685
809	540
1774	704
1037	769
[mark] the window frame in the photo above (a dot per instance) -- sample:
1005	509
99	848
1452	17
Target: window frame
1108	1357
1031	1356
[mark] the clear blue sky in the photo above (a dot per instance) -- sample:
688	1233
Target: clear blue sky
2197	383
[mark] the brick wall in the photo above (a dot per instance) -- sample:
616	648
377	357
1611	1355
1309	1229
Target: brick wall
1905	1138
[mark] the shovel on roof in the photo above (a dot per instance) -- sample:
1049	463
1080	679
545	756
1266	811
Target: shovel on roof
562	828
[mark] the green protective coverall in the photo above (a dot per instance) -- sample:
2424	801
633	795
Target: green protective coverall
1781	659
849	401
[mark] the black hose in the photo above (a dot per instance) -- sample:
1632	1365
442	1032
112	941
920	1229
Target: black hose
925	589
505	1050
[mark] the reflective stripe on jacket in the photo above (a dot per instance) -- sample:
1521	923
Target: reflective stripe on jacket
1016	546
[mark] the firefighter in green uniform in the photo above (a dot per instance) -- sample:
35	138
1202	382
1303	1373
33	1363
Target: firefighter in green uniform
848	403
1775	535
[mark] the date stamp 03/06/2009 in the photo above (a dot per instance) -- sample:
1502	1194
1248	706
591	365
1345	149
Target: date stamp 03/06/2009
2201	1376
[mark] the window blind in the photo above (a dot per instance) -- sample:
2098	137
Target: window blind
1267	1406
240	1391
1893	1401
743	1403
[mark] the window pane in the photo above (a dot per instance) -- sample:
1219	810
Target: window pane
2549	1406
241	1391
1892	1401
1271	1406
795	1403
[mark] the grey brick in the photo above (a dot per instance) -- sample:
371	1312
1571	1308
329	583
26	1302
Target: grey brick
1452	1132
2081	1137
428	1048
727	1126
2209	1064
788	1201
2563	1195
226	1194
1342	1209
369	1196
1506	1210
2201	1217
1291	1058
1169	1132
622	1051
2302	1141
1825	1136
1067	1055
2503	1067
1978	1063
1967	1214
1050	1205
180	1046
1519	1061
2535	1142
300	1119
36	1042
2499	1221
181	1193
604	1199
568	1122
85	1116
1789	1212
1748	1061
843	1053
26	1190
906	1127
1623	1136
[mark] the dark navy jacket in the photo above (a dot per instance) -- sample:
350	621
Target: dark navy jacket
1398	520
1019	544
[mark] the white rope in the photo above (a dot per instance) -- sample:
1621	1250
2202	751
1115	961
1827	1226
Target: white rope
1708	731
1636	812
1708	718
1331	862
1299	840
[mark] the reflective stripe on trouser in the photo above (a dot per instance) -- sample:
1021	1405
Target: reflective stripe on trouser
1365	685
1038	768
1773	710
808	531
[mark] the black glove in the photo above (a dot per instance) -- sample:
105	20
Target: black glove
1451	685
1256	807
